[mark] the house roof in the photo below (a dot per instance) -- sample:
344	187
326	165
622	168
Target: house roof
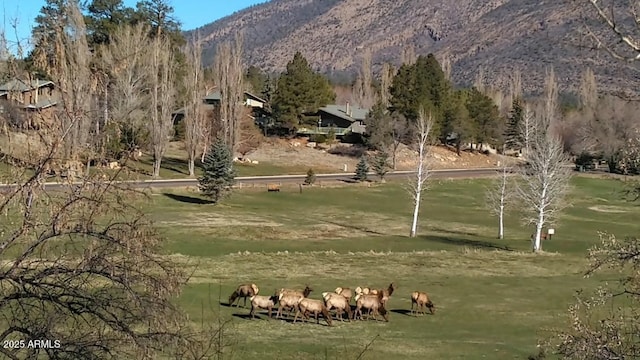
3	93
254	97
24	85
216	96
356	113
42	104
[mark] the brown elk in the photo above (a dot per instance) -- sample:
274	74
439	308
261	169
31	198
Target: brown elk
243	291
345	292
306	306
370	302
421	300
289	299
543	236
263	302
339	302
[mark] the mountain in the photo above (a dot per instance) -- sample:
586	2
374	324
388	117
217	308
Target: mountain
498	36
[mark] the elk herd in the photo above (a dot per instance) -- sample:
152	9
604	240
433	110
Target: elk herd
370	300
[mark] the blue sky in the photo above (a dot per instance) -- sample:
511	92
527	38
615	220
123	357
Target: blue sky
191	13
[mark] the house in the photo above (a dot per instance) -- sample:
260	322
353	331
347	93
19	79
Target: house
36	98
342	119
212	100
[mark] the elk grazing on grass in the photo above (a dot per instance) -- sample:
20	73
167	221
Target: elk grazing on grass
289	299
345	292
243	291
306	306
339	302
263	302
371	302
386	293
421	300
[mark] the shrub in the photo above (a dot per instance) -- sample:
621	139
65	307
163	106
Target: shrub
311	177
318	138
218	173
361	170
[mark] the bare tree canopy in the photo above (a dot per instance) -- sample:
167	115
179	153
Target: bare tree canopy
161	105
418	184
621	34
229	80
500	193
194	114
545	181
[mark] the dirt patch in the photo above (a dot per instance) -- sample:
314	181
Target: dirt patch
607	209
297	152
215	220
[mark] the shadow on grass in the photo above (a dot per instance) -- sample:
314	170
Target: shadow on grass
466	242
177	165
449	231
187	199
354	227
402	312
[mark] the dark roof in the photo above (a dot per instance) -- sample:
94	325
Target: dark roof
254	97
355	113
216	96
24	85
42	104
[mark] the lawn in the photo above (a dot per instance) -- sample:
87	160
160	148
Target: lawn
494	299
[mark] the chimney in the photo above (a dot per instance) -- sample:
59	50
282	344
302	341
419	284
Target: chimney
348	110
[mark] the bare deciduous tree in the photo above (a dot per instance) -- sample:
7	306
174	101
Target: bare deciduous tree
386	79
194	116
446	66
418	184
250	135
620	18
480	81
527	128
363	87
588	91
229	79
515	86
500	194
545	182
70	71
608	128
82	269
125	59
162	101
605	325
408	55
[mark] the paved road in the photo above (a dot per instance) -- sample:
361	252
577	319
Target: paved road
281	179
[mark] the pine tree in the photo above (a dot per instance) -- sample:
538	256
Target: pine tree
300	90
513	135
381	164
311	177
361	170
218	173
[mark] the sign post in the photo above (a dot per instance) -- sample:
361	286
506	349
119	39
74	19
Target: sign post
551	232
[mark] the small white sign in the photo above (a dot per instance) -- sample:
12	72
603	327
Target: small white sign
551	231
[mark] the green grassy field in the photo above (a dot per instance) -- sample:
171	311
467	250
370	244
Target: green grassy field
494	298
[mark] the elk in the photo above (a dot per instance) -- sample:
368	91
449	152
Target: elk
289	299
305	306
263	302
345	292
421	299
243	291
339	302
370	302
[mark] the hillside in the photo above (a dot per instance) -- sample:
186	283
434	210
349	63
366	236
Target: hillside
499	35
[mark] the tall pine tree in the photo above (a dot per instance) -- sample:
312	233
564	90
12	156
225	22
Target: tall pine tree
420	85
513	134
300	90
218	174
